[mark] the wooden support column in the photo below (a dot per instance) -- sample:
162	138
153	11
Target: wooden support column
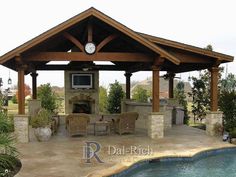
171	85
214	88
128	75
34	85
155	89
21	91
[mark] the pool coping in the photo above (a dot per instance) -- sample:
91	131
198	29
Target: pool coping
122	169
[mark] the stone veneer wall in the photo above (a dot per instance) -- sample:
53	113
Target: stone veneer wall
73	93
155	125
21	126
212	119
144	110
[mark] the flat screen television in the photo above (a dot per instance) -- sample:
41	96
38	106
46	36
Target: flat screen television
82	81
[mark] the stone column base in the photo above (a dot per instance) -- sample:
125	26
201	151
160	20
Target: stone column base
34	107
212	119
156	125
21	126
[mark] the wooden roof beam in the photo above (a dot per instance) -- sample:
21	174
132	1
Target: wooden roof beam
106	41
74	41
81	56
90	32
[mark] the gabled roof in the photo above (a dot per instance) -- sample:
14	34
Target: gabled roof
76	19
186	47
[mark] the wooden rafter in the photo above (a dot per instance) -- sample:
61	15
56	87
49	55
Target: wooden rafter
90	32
74	40
106	41
81	56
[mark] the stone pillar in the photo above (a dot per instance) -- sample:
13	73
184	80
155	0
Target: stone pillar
156	125
214	88
34	106
34	85
155	89
128	75
21	126
213	118
21	91
171	85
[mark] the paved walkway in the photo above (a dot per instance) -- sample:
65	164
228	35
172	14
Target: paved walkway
62	155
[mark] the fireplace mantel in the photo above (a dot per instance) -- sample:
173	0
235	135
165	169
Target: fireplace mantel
81	97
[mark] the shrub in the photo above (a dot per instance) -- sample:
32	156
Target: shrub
102	99
41	119
8	152
6	124
14	99
48	97
140	94
227	104
115	96
218	129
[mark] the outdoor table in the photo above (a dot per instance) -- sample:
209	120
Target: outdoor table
98	124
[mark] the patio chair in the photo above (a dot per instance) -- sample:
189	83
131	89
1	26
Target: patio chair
125	123
77	124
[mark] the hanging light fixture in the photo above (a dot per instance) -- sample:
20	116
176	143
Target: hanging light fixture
1	82
9	79
189	77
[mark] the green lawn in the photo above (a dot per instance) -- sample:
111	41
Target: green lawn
13	108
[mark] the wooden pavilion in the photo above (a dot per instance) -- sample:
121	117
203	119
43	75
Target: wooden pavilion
130	51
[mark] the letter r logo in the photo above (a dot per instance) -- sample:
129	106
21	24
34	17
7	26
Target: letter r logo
90	150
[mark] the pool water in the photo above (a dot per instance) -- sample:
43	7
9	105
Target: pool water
219	165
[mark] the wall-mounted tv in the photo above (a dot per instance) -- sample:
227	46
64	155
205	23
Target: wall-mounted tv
82	81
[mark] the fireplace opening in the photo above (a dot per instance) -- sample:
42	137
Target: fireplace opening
82	107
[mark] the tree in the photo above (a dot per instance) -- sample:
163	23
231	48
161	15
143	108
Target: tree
227	105
48	97
102	99
229	83
200	97
140	94
115	96
181	97
227	102
200	93
27	92
209	47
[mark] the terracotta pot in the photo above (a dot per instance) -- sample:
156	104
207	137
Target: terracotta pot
43	133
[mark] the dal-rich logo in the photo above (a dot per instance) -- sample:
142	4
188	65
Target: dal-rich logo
91	150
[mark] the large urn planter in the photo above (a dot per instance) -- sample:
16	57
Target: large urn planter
41	123
43	133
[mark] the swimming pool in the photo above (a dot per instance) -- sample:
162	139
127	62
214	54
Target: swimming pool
216	163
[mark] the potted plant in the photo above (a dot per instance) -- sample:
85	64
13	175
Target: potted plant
42	122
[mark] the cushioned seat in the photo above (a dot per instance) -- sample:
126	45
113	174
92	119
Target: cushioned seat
125	123
77	124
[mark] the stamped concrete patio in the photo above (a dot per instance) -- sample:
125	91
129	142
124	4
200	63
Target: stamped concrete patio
62	155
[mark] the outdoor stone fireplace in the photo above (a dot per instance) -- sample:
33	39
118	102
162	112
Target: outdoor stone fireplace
82	104
81	100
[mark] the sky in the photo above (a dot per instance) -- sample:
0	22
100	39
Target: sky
198	23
